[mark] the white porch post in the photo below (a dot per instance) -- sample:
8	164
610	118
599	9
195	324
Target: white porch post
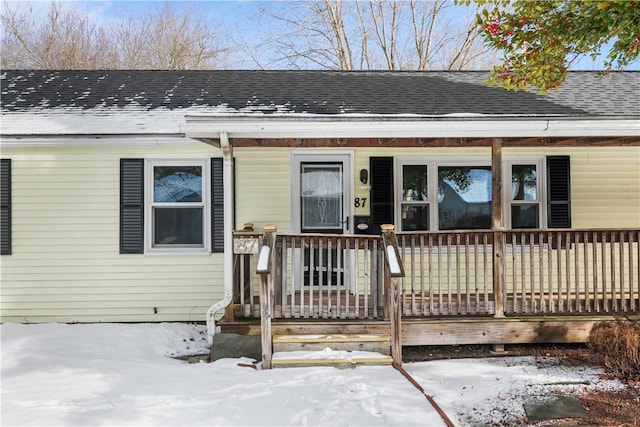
227	175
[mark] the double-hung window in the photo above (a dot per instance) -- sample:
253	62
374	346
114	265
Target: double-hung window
177	205
523	182
456	194
171	206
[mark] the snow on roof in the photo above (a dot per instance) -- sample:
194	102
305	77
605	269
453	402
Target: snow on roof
47	102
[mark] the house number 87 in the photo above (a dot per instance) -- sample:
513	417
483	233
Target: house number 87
360	202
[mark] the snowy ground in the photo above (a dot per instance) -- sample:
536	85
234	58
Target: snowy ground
123	375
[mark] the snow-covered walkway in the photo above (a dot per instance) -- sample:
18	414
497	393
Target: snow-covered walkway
124	375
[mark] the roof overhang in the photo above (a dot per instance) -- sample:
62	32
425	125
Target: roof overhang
205	128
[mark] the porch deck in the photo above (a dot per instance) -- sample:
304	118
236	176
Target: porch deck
550	286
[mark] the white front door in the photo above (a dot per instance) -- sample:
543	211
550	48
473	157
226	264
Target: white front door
322	185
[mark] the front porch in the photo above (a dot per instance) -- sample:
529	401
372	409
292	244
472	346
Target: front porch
458	287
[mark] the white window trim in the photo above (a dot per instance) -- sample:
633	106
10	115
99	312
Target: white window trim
149	249
507	165
433	163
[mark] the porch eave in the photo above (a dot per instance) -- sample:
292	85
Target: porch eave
208	128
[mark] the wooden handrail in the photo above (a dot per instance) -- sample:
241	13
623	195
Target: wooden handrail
265	264
394	270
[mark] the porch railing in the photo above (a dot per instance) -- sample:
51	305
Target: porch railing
317	276
544	272
448	274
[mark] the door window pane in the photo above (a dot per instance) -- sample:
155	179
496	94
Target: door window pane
464	197
321	197
178	226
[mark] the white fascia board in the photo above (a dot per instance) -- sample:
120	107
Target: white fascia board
210	127
93	140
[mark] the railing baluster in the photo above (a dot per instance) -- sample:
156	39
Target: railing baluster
612	271
596	296
576	271
431	301
523	272
311	276
285	281
475	272
467	256
440	281
605	291
559	271
567	270
347	314
514	277
532	274
300	267
485	284
449	311
587	285
550	298
541	251
376	290
287	266
632	297
422	305
458	290
620	296
631	270
366	293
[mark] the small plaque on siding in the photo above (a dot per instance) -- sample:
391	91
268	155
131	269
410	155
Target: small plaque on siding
245	246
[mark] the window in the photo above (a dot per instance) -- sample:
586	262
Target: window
171	206
177	204
523	194
456	194
464	197
414	200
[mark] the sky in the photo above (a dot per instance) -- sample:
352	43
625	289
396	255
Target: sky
240	20
105	374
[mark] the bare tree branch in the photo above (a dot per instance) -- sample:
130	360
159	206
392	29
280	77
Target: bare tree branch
381	34
162	39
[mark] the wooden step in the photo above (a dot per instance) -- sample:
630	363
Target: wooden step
339	359
379	343
339	350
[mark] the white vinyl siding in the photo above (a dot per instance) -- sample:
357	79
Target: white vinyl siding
263	187
66	264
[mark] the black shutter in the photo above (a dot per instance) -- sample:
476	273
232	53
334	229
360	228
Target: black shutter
5	207
381	175
131	206
217	205
558	192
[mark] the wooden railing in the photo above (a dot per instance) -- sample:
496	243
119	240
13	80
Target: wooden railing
447	274
317	276
544	272
572	271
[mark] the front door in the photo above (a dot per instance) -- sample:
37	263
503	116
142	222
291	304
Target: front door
321	189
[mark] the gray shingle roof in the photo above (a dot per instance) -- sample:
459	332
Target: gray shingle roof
585	94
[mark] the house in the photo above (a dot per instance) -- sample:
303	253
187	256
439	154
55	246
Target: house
125	196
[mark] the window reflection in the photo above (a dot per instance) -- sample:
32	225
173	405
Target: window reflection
464	197
174	184
524	180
